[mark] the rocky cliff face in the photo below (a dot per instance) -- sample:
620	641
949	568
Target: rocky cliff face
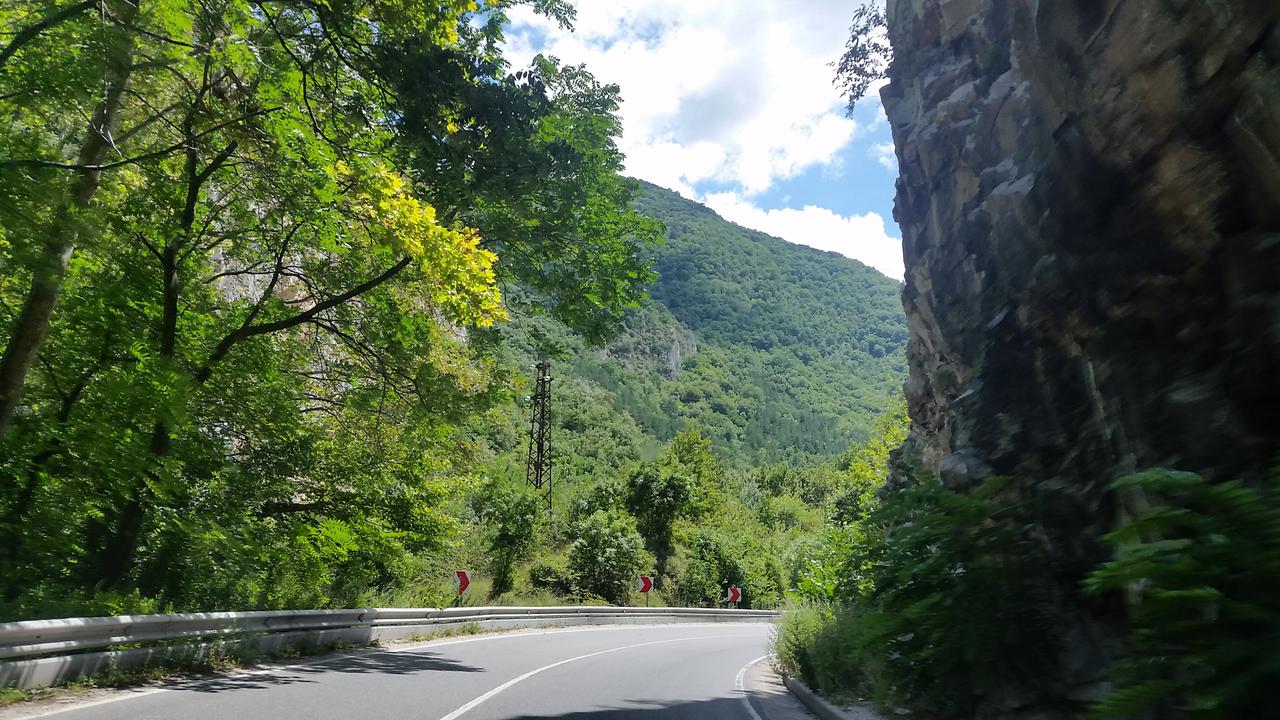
1090	206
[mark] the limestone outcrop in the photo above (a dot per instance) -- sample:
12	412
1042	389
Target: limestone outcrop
1090	208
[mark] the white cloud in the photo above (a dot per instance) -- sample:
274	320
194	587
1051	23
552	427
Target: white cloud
862	237
732	91
884	154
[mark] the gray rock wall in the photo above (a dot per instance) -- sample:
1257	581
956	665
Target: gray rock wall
1090	207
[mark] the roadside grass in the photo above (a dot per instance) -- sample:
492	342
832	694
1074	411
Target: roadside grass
12	696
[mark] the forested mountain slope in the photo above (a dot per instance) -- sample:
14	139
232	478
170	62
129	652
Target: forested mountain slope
753	394
771	350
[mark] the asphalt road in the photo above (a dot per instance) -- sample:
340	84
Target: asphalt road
664	672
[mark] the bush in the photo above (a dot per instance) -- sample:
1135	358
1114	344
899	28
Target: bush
607	556
786	512
45	602
716	561
826	647
959	602
511	515
942	598
606	495
1202	569
553	578
796	635
817	565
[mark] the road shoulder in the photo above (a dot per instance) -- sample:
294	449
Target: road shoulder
769	695
823	708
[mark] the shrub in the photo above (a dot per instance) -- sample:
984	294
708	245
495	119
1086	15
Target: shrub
606	495
511	516
935	600
786	512
795	636
607	556
817	565
1202	569
826	645
716	560
959	600
553	578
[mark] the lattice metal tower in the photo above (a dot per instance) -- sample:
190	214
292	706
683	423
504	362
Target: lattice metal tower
538	466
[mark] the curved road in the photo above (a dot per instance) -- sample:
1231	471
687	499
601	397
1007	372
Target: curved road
668	672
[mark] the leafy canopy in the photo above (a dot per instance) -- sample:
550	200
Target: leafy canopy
271	328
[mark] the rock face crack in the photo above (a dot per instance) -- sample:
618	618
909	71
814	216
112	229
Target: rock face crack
1090	208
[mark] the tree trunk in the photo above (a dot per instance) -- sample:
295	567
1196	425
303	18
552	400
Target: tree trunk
117	554
32	326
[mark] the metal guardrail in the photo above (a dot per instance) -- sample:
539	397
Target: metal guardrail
35	653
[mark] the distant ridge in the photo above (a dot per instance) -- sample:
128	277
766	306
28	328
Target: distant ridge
772	350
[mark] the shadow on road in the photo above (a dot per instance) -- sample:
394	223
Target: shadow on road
727	708
401	663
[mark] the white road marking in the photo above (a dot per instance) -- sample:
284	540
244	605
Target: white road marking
132	693
739	684
514	681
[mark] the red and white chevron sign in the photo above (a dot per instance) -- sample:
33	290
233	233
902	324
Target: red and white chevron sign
734	595
462	578
646	583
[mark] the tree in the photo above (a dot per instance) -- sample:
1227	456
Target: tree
656	497
263	350
607	555
60	217
510	517
866	465
690	456
529	159
275	194
867	55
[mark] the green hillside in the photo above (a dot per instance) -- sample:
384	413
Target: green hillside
752	396
771	350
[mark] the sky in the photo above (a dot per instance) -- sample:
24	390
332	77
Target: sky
731	103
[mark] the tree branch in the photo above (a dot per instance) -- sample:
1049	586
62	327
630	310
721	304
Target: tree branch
185	142
157	116
249	270
248	330
27	34
155	36
217	162
152	248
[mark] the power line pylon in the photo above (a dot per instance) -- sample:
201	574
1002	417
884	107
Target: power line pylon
538	466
